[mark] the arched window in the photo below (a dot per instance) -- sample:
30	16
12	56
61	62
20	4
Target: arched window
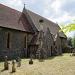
25	41
8	40
51	47
51	50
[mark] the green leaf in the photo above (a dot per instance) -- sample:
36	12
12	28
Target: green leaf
68	28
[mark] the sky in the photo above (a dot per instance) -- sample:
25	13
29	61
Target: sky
58	11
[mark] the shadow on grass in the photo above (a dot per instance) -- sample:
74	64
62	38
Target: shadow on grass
41	60
49	58
3	70
12	72
52	57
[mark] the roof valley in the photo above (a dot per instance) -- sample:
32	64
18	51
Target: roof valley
29	19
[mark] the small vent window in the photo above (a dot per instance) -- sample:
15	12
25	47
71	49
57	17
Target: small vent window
41	20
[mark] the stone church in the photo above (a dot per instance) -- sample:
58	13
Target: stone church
25	33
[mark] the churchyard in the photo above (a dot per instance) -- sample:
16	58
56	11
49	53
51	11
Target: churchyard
58	65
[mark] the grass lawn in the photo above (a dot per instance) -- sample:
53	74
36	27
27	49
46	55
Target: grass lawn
59	65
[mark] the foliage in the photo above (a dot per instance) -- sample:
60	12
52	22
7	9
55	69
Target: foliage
73	41
69	41
68	28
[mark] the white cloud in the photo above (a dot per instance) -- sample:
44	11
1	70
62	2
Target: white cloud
56	5
65	18
56	13
17	4
60	11
29	1
51	9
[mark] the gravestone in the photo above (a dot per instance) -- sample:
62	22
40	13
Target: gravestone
18	62
6	64
13	66
30	61
73	52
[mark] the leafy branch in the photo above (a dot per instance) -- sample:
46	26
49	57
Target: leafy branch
68	28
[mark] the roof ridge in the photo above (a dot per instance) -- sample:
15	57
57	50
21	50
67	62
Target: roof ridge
29	19
41	16
27	10
10	7
10	18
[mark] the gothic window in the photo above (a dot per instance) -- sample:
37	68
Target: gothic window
59	47
8	40
56	47
51	47
25	39
51	50
54	43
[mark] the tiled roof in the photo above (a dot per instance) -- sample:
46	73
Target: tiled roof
14	19
54	28
29	22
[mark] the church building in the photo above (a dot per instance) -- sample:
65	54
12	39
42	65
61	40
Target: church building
25	33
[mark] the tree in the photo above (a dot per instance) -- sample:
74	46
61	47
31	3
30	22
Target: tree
73	41
69	41
68	28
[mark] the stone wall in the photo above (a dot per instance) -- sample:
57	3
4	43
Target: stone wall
48	43
58	47
64	44
16	42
